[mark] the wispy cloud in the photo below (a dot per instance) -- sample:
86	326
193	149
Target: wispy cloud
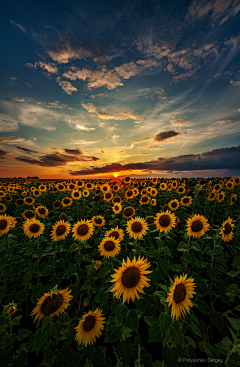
19	99
46	66
66	86
3	154
26	150
221	122
19	26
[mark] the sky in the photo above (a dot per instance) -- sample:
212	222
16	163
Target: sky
90	89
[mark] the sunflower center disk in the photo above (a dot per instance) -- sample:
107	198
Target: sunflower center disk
66	201
98	220
82	230
136	227
108	195
34	228
41	211
164	221
179	293
89	323
109	245
131	277
29	214
129	193
150	220
174	205
228	228
114	234
128	212
197	226
3	224
52	304
60	230
185	201
28	200
145	199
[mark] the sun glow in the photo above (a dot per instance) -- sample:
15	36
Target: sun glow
115	175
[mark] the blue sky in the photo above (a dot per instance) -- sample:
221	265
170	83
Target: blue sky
146	88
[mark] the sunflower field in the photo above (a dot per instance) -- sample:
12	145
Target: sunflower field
121	273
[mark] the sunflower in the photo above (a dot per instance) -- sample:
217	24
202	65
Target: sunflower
66	202
60	187
144	200
181	190
105	188
129	194
33	228
60	230
150	220
186	201
233	199
227	230
237	181
197	225
116	233
10	309
42	211
54	189
109	246
52	304
28	200
2	208
127	180
76	194
117	208
89	186
130	279
80	184
229	185
163	186
179	296
108	196
57	204
153	192
24	193
8	198
128	212
97	265
5	224
144	192
165	221
98	221
71	186
211	196
221	196
82	230
137	227
28	214
153	202
36	193
173	204
85	193
90	327
174	184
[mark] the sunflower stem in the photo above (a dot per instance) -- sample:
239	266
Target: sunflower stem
188	248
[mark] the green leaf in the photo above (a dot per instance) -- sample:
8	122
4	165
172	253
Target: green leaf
127	332
132	320
236	263
191	342
160	294
170	357
16	320
164	265
113	333
40	339
195	329
23	333
49	353
149	320
121	312
165	322
234	322
177	333
124	349
46	321
98	357
217	319
232	274
55	329
224	346
155	334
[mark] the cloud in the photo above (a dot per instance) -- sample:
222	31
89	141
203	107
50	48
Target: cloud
48	66
73	151
99	96
63	54
110	78
3	154
19	26
10	139
222	158
58	159
165	135
57	104
84	128
150	147
123	115
26	150
178	122
222	122
66	86
84	142
18	99
89	107
236	84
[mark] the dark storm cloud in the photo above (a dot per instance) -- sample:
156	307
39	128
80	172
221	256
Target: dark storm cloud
223	158
3	153
26	150
165	135
73	151
56	159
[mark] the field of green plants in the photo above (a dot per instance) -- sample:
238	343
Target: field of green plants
117	272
